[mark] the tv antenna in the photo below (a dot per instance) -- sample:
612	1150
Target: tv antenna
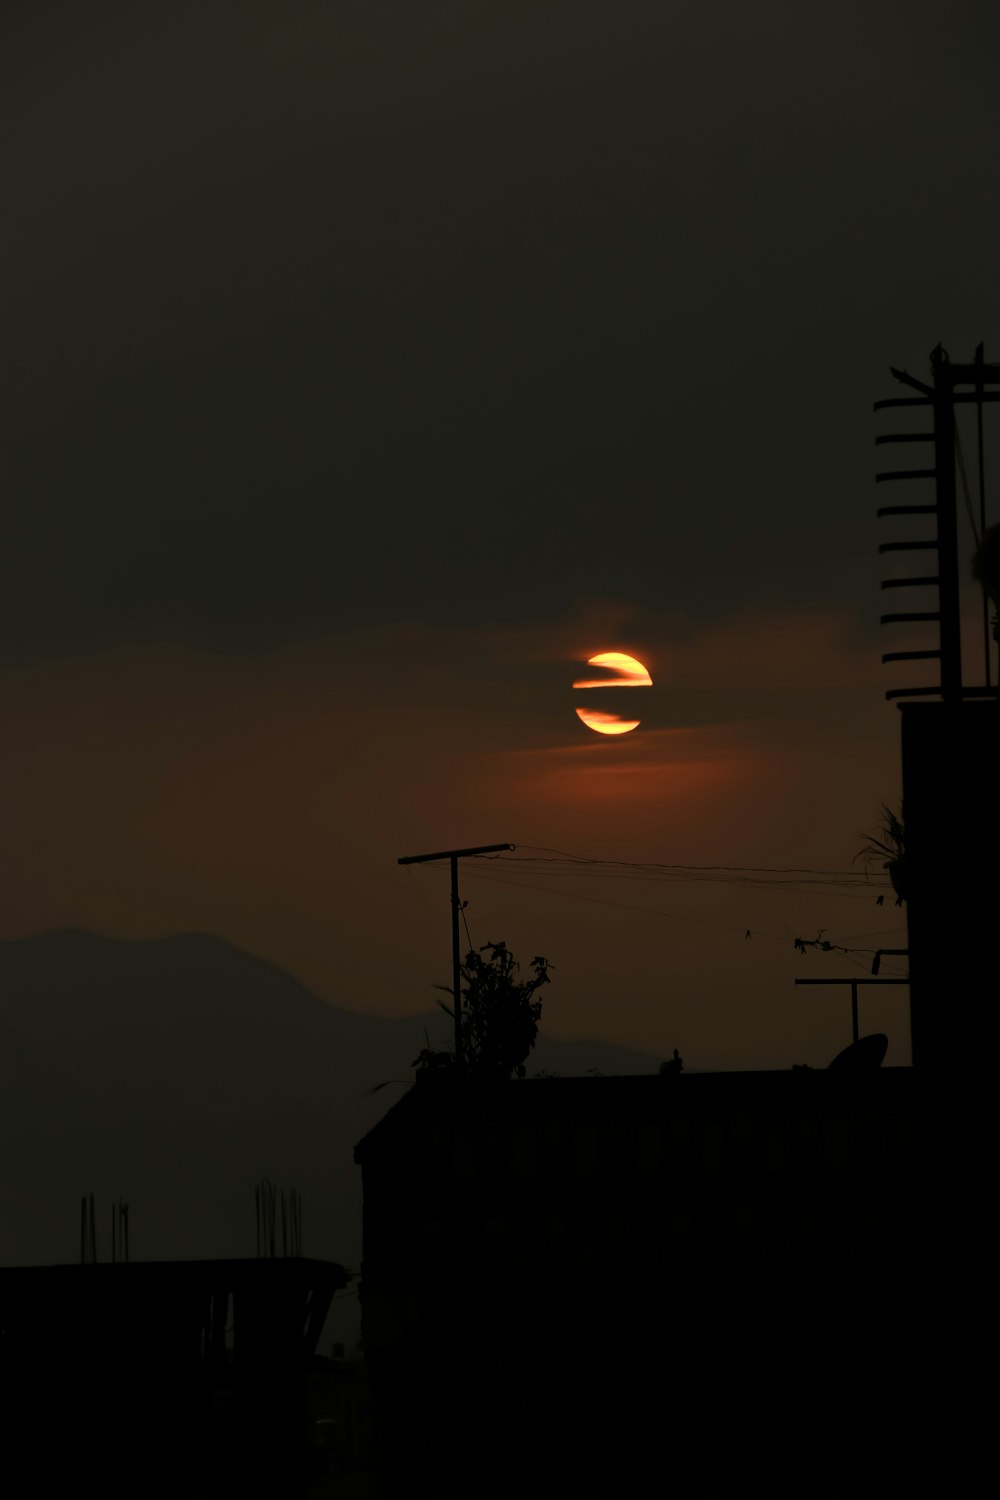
941	398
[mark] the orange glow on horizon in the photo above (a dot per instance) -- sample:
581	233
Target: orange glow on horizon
606	723
629	672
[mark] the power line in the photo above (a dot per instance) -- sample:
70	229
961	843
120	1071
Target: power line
858	886
749	932
784	878
858	889
622	905
882	932
634	864
621	871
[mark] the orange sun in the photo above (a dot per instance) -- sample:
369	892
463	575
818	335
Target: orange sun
627	672
606	723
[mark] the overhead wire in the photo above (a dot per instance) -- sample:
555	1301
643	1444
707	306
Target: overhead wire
561	863
848	954
785	877
881	932
605	901
749	933
680	877
589	859
829	891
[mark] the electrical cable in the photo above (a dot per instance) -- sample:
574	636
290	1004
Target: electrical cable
660	865
562	863
754	932
838	883
622	905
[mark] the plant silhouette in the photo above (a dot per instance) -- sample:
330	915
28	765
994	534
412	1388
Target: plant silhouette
887	847
500	1014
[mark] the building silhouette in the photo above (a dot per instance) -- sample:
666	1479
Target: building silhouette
161	1378
584	1281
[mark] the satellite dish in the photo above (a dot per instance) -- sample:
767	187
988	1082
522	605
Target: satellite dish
866	1055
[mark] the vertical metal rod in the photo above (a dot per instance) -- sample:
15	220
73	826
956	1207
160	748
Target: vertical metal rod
944	464
456	963
854	1010
982	503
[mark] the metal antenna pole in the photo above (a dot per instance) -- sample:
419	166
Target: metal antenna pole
944	463
854	983
982	501
454	855
456	963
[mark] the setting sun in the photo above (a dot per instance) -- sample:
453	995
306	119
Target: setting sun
623	671
606	723
631	673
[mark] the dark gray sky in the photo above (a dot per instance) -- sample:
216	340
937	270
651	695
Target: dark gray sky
320	315
367	366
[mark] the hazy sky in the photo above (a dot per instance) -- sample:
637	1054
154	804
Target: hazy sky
366	367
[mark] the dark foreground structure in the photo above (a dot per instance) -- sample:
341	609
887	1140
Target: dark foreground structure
711	1284
117	1380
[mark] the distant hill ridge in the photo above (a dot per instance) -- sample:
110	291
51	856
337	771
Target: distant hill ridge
177	1071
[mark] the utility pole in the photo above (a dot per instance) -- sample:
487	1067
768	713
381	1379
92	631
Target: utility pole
454	855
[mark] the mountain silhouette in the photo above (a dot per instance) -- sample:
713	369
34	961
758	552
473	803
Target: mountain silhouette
176	1073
